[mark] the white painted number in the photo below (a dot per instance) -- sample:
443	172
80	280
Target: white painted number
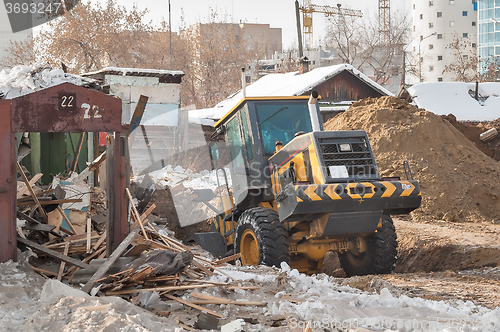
67	101
95	108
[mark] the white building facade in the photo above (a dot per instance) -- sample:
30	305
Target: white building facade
435	24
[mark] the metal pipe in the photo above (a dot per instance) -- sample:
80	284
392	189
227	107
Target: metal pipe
297	14
313	113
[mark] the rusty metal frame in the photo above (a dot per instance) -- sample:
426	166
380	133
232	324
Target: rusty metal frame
62	108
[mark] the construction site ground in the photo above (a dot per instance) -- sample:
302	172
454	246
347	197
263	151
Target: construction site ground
440	261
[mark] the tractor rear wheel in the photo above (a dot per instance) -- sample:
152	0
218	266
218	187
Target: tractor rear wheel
380	255
261	238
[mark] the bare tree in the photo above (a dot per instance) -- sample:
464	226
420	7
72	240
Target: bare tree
20	53
464	64
92	36
359	42
215	55
467	66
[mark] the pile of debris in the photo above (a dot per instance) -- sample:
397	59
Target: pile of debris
150	267
458	181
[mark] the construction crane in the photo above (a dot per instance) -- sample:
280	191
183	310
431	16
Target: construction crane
308	9
384	19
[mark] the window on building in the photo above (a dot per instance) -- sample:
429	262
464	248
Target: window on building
439	14
431	68
431	25
452	2
465	35
413	28
431	3
440	79
421	16
431	46
473	24
439	36
452	23
464	13
440	57
414	50
413	6
473	45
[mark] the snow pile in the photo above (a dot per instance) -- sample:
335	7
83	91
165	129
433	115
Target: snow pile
22	80
458	98
320	301
171	176
317	300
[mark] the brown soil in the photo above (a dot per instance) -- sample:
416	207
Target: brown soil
438	261
458	181
473	131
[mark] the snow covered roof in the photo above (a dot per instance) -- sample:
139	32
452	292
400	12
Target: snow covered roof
457	98
288	84
22	80
135	72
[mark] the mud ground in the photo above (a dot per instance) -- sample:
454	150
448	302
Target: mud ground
439	261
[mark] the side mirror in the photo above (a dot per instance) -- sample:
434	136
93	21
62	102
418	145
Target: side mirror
214	151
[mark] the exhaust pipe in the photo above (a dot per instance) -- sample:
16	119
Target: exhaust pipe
313	113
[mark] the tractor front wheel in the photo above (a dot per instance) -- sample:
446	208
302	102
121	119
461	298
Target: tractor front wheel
380	255
261	238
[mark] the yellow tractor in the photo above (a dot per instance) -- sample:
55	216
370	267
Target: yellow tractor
299	192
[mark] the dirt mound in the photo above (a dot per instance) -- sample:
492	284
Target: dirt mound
458	181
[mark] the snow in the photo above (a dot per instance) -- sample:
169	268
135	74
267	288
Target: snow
170	176
288	84
444	98
29	303
22	80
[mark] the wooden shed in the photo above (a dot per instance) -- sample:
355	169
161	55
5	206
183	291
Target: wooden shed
339	86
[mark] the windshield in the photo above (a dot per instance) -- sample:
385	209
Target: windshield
280	122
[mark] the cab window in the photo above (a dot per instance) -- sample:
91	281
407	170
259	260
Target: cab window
280	122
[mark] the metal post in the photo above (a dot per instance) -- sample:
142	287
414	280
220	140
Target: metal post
8	185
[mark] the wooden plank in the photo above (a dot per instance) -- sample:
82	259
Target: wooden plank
100	241
80	237
49	202
79	220
220	300
114	256
160	289
25	179
89	231
94	165
136	214
228	259
192	305
63	264
31	182
41	193
72	230
52	253
202	267
144	215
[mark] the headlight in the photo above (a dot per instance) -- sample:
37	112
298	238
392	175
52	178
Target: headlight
345	147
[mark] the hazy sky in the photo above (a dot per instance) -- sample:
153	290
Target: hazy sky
277	13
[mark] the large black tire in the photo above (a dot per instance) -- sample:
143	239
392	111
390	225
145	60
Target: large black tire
380	255
261	238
